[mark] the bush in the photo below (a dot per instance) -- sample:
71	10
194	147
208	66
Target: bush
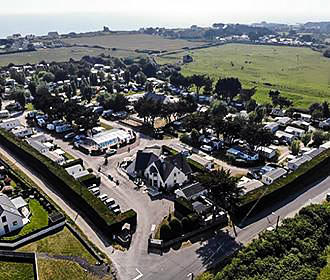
186	224
176	227
165	232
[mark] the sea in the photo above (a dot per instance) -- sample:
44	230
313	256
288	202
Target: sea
78	22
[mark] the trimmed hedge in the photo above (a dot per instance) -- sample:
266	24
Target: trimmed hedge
182	207
73	163
90	179
73	190
308	173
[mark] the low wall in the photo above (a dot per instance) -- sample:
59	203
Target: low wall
17	257
14	244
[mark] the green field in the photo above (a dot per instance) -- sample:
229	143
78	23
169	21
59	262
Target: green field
133	42
301	74
58	55
16	271
62	269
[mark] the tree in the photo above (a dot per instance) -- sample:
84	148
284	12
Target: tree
199	81
251	105
19	97
319	137
228	88
194	136
306	138
165	232
141	78
218	108
208	88
222	188
295	147
282	102
127	76
317	114
325	109
274	94
176	227
48	77
246	94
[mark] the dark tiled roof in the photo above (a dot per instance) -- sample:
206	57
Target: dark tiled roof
181	163
191	190
143	160
164	168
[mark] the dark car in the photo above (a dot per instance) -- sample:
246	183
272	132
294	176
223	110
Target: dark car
69	136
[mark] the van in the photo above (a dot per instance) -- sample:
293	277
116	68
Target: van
95	191
109	201
103	197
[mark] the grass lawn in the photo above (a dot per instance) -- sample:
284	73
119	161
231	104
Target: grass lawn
299	73
325	272
16	271
29	107
69	156
106	126
62	269
39	219
62	243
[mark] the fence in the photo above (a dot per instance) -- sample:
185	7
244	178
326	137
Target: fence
21	258
14	244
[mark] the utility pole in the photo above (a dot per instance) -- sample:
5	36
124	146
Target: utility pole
277	222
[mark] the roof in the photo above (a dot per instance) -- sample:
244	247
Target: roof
192	190
199	207
291	129
37	145
265	150
315	152
276	173
271	125
281	133
6	205
19	202
76	171
326	145
299	161
180	162
111	135
164	168
143	160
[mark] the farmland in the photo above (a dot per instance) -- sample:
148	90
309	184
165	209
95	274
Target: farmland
57	55
133	42
299	73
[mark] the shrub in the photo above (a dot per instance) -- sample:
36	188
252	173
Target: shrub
176	227
186	224
165	232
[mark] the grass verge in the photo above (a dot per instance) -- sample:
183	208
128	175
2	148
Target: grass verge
16	271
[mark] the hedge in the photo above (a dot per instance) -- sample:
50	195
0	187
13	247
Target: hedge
73	163
308	173
182	207
73	190
90	179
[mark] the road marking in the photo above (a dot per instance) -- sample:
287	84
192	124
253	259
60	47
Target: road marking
139	276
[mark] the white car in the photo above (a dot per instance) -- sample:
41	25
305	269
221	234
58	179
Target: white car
109	201
207	148
103	197
95	191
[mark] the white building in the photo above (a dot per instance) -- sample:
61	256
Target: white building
10	218
294	164
10	124
111	138
272	127
271	176
267	152
22	131
295	131
285	136
76	171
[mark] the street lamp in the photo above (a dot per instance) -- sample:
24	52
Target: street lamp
278	219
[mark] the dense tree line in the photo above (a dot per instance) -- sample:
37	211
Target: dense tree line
294	251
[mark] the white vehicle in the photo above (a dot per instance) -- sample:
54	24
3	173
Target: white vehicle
116	211
4	114
110	201
103	197
207	149
41	122
50	127
95	191
113	207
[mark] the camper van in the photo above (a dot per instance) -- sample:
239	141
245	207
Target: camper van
4	114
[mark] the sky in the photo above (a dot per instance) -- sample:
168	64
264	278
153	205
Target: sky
132	14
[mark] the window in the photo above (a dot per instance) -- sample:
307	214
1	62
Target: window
15	223
174	174
4	219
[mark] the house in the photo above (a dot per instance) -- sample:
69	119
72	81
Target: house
9	124
187	59
191	192
295	131
294	164
272	127
167	173
4	114
277	112
10	218
283	121
249	184
314	152
111	138
40	147
271	176
22	132
285	136
143	159
266	152
240	153
76	171
22	206
305	117
53	156
301	124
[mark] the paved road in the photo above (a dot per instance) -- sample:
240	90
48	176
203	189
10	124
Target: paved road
173	264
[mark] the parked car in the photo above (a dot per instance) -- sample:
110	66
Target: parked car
114	206
95	191
109	201
207	148
328	197
69	136
116	211
103	197
110	152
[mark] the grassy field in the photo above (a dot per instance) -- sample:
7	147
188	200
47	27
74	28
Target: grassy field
301	74
133	42
39	219
16	271
62	243
61	269
57	55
